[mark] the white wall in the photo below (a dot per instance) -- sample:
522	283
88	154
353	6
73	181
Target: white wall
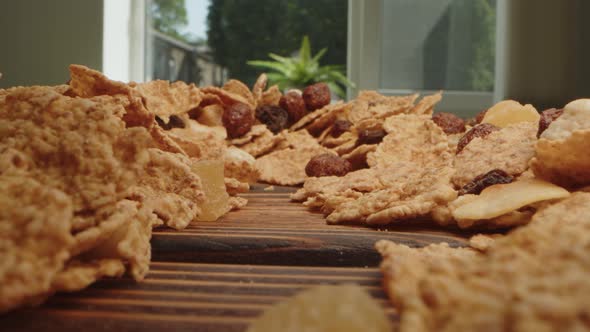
39	39
123	53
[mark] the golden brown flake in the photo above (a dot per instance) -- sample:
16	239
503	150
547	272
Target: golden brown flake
517	281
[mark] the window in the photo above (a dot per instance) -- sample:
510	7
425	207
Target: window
425	46
209	41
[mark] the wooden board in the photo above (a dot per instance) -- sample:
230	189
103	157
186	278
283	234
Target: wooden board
218	276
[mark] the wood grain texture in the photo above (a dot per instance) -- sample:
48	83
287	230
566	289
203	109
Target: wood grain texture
185	297
218	276
273	230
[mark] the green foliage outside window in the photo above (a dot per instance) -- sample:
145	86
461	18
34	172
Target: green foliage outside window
241	30
303	69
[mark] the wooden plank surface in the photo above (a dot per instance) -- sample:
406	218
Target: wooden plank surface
218	276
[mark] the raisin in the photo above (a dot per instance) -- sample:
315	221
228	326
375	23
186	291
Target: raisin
480	116
237	119
327	164
449	123
340	127
274	117
294	104
483	181
370	136
316	96
548	116
481	131
173	122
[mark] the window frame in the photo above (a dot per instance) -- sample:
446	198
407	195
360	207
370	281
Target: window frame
364	60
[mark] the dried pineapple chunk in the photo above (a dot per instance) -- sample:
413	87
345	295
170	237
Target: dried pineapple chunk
501	199
508	112
325	309
216	197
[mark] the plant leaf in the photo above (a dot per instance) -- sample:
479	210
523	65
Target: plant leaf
305	51
319	55
270	65
336	89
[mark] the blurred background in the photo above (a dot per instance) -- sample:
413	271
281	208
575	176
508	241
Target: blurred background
478	51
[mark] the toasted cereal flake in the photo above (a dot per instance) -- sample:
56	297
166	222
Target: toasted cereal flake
234	186
517	280
262	144
239	164
411	138
228	98
325	115
255	131
236	203
239	88
560	152
286	167
200	142
415	193
509	149
272	96
34	238
296	139
370	104
78	275
164	99
358	156
259	87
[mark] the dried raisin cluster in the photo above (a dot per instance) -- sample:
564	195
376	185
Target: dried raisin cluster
316	96
477	185
238	119
371	136
548	116
340	127
294	104
327	164
449	123
481	131
274	117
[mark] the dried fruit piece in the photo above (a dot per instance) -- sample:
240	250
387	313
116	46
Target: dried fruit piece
496	176
327	164
323	309
548	116
173	122
481	131
500	199
293	103
340	127
316	96
274	117
213	182
370	136
480	116
449	123
508	112
238	119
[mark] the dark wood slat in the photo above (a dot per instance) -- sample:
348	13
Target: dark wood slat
273	230
185	297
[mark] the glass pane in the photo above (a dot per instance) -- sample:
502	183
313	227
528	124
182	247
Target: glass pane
438	44
209	41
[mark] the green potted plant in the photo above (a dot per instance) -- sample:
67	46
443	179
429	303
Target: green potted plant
304	69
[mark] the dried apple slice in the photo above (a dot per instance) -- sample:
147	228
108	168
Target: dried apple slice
323	309
213	181
509	112
500	199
